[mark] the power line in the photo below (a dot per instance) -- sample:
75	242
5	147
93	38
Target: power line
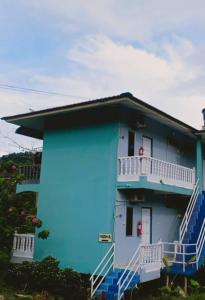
42	92
15	144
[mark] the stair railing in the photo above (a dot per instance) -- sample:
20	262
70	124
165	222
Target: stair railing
132	268
189	210
179	253
104	267
144	255
200	243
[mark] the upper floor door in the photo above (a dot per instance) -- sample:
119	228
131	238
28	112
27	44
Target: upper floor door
147	146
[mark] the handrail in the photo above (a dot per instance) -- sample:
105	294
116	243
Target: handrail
136	262
178	243
24	234
121	282
108	258
189	210
198	249
23	245
130	262
139	259
31	173
200	241
156	159
131	167
183	254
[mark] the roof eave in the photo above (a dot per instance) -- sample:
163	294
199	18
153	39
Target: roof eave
96	103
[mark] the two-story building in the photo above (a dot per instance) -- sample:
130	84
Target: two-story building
116	175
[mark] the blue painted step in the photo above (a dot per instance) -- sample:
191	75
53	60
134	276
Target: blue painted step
109	286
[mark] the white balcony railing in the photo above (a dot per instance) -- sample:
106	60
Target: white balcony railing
31	173
132	167
23	246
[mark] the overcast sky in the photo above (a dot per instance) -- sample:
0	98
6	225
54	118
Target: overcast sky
151	48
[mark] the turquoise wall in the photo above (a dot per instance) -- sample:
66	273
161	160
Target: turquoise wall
77	194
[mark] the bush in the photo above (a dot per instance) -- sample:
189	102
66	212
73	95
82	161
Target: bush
21	275
47	276
71	285
194	286
44	234
4	259
167	292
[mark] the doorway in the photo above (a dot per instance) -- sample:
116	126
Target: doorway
147	146
146	225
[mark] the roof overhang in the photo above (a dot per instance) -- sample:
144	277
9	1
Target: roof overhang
33	123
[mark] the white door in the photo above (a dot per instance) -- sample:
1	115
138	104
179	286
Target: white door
146	225
147	146
146	163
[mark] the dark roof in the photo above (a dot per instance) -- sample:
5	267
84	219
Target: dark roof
102	101
75	105
98	101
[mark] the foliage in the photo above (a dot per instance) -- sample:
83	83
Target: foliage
192	260
46	275
44	234
200	296
20	158
166	263
17	211
169	291
194	286
4	259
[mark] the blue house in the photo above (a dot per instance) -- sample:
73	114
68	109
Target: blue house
120	187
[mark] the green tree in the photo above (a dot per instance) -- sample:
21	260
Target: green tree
17	211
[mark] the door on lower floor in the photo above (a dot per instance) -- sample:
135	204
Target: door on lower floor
146	225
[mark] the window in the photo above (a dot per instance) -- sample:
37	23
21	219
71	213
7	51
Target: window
131	143
129	221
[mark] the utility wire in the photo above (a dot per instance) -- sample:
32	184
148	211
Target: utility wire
42	92
14	143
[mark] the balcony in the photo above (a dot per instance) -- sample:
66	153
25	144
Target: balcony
31	174
23	247
132	168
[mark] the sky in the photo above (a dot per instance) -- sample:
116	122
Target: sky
90	49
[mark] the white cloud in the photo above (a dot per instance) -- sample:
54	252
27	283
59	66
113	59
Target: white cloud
135	66
137	20
115	67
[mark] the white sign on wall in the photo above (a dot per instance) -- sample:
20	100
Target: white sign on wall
105	237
